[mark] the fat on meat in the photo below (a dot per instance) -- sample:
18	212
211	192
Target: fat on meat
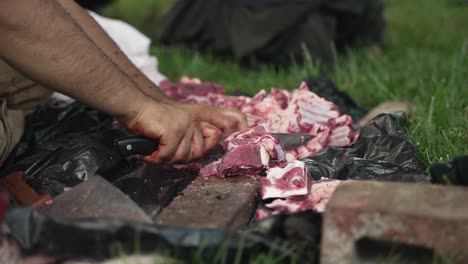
247	152
316	199
288	181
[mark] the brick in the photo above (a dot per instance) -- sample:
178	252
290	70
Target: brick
430	216
212	202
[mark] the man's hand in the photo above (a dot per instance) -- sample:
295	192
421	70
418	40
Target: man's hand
182	138
227	120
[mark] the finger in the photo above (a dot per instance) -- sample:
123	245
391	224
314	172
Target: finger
198	144
183	153
240	118
211	134
216	117
164	153
168	145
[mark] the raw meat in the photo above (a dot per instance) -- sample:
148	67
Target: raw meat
299	111
319	194
250	152
253	152
291	180
260	214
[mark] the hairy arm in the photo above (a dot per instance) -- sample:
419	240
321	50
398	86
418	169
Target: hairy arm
110	48
227	120
39	40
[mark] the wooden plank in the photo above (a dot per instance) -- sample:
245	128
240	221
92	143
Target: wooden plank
212	202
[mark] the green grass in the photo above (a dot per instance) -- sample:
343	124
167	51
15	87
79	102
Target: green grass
424	62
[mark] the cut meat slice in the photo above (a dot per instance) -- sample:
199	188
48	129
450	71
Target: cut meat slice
291	180
317	199
250	151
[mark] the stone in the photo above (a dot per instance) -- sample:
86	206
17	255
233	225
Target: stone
212	202
385	107
429	218
139	259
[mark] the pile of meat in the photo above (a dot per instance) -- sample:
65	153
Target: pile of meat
284	179
281	111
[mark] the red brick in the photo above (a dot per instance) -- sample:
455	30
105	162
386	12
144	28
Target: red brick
431	216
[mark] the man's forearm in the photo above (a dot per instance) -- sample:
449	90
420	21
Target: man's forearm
39	40
110	48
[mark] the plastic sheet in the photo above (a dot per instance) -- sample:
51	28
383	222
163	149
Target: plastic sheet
382	152
454	172
153	186
85	138
95	238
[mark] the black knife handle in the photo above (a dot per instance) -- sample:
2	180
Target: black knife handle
136	145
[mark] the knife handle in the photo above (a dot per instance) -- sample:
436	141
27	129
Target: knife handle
136	145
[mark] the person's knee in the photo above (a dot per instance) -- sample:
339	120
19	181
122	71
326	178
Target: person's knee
11	129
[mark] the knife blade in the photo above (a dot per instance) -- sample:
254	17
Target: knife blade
288	140
139	145
292	140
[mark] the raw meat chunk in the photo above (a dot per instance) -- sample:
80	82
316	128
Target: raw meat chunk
291	180
319	194
251	151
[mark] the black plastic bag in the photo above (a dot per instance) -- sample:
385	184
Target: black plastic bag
82	143
304	228
153	186
382	152
47	123
93	239
453	173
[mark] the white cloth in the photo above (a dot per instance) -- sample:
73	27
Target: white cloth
134	44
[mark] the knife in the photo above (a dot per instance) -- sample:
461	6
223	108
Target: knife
288	140
292	140
139	145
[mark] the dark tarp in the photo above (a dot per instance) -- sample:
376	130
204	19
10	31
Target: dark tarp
454	172
95	238
273	30
83	142
383	152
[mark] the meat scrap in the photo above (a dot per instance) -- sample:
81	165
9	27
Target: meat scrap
248	152
288	181
316	199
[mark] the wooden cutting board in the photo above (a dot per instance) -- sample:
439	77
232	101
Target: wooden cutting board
212	202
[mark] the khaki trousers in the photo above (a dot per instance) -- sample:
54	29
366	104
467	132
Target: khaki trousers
19	96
